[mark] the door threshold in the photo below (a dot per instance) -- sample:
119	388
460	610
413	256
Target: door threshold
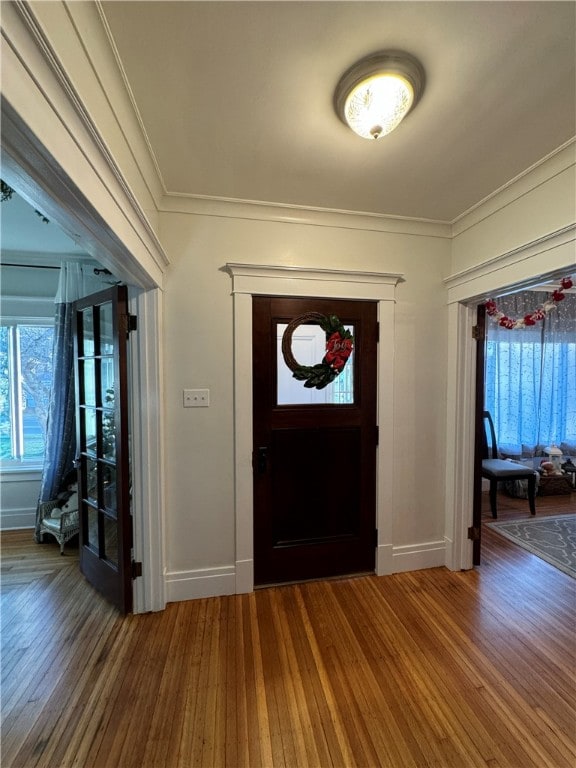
344	576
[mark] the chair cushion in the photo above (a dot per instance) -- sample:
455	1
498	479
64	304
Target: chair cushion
500	469
51	524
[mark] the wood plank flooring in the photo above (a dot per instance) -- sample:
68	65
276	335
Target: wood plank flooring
430	668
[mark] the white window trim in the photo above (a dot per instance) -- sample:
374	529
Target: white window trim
12	466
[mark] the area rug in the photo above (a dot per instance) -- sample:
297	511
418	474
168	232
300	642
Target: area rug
551	538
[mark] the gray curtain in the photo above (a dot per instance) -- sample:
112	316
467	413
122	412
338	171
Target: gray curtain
76	280
61	427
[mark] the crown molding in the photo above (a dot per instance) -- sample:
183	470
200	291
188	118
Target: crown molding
40	93
551	165
201	205
558	248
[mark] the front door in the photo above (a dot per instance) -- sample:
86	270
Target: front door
100	338
315	438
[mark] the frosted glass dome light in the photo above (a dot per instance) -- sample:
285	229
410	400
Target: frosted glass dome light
375	95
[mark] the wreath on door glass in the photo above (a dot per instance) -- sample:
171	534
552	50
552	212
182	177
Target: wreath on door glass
339	346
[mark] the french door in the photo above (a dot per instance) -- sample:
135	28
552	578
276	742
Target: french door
314	448
100	337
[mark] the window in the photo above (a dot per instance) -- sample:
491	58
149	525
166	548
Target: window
531	374
530	391
309	345
25	384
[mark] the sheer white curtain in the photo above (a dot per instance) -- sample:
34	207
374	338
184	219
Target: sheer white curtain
76	280
530	384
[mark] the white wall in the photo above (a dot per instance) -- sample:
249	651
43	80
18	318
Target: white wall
19	493
538	204
199	353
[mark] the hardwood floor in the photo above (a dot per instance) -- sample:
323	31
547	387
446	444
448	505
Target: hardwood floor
430	668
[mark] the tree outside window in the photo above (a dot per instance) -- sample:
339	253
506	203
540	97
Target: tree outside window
25	386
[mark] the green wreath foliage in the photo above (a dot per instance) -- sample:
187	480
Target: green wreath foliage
320	375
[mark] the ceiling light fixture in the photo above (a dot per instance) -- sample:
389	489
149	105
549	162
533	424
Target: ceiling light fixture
376	94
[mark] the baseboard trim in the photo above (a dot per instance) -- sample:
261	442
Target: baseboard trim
230	580
14	519
206	582
415	557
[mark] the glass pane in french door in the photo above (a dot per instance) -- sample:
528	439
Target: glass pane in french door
96	366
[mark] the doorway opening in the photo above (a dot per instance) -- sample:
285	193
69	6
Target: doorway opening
525	376
59	200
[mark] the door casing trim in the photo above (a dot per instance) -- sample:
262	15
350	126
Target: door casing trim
520	268
255	279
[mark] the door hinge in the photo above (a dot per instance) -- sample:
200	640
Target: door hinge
136	569
474	533
377	435
376	537
477	333
132	321
377	333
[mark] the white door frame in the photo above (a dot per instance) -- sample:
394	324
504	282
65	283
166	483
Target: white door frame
52	172
252	280
549	257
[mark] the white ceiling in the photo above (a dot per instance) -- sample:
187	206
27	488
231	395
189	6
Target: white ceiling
25	235
236	98
22	230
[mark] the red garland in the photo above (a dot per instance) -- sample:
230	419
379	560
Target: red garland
530	319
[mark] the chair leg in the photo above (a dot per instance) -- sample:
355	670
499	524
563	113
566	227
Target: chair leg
493	495
532	494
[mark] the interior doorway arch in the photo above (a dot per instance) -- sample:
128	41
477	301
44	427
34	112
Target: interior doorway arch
521	268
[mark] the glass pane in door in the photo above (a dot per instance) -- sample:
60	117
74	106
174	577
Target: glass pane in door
110	540
88	429
92	481
107	381
308	349
93	541
86	340
88	381
106	328
109	434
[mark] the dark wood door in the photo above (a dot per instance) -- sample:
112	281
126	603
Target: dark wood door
101	331
314	449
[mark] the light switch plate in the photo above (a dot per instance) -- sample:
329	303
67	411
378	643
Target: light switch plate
196	398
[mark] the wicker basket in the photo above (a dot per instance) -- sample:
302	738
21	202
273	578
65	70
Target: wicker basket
555	485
